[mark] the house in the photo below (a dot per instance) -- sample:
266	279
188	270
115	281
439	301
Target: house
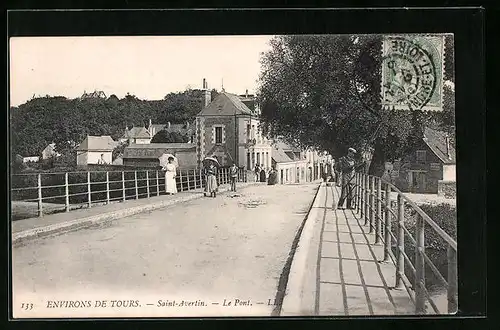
144	135
50	151
137	135
95	150
228	129
431	165
148	155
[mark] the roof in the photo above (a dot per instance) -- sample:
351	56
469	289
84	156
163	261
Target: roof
155	150
436	140
279	156
225	104
286	147
101	143
137	133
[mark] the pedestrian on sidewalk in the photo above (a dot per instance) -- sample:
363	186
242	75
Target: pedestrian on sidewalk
170	175
212	180
262	173
273	177
257	172
347	165
233	172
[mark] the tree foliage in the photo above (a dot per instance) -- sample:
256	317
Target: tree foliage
324	92
165	136
40	121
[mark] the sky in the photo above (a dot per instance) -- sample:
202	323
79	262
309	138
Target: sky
148	67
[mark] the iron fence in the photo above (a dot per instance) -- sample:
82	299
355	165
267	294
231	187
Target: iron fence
69	190
386	217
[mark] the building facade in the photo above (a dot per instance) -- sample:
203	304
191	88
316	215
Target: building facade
228	129
95	150
430	165
149	155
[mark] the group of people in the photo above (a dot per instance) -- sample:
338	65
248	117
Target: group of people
342	173
261	175
210	174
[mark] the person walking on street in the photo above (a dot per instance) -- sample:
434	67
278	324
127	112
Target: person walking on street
257	172
212	180
170	175
347	167
233	172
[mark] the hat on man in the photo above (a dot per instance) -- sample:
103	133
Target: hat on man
352	150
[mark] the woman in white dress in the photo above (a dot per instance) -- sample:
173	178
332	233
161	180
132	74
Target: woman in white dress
170	174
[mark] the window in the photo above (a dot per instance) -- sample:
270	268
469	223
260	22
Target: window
249	128
218	135
435	166
421	156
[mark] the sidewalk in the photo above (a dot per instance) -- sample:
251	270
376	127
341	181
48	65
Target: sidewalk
59	223
338	269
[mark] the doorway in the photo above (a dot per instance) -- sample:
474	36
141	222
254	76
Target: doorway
417	182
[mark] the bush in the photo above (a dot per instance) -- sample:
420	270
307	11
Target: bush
445	216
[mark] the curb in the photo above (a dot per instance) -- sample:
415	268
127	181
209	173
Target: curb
292	300
73	225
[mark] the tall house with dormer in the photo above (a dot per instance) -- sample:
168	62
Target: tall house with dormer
228	129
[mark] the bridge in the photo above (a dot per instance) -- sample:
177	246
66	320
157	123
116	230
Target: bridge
262	251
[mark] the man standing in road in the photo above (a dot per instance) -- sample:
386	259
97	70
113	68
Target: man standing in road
347	167
233	172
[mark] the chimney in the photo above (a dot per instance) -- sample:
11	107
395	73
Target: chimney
448	146
246	93
207	94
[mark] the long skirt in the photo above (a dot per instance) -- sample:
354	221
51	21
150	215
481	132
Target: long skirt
211	183
170	183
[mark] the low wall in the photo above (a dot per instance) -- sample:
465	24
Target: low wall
447	189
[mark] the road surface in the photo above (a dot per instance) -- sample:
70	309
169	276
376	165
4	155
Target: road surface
207	257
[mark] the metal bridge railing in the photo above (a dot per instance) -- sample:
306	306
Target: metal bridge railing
70	190
372	199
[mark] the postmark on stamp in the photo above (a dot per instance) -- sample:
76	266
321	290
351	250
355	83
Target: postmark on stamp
412	72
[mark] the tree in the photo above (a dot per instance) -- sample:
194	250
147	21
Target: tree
165	136
324	92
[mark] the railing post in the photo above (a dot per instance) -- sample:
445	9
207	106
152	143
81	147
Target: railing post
400	267
420	266
40	199
157	185
107	187
89	190
66	190
180	179
387	227
188	181
147	183
365	204
378	219
200	173
359	197
123	186
452	281
361	194
136	187
372	202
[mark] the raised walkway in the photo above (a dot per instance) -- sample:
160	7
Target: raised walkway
58	223
337	268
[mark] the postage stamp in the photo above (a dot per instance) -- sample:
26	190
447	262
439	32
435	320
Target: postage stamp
412	72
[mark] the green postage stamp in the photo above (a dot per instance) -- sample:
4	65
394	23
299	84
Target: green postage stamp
412	72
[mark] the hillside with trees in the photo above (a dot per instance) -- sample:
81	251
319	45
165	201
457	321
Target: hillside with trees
66	122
